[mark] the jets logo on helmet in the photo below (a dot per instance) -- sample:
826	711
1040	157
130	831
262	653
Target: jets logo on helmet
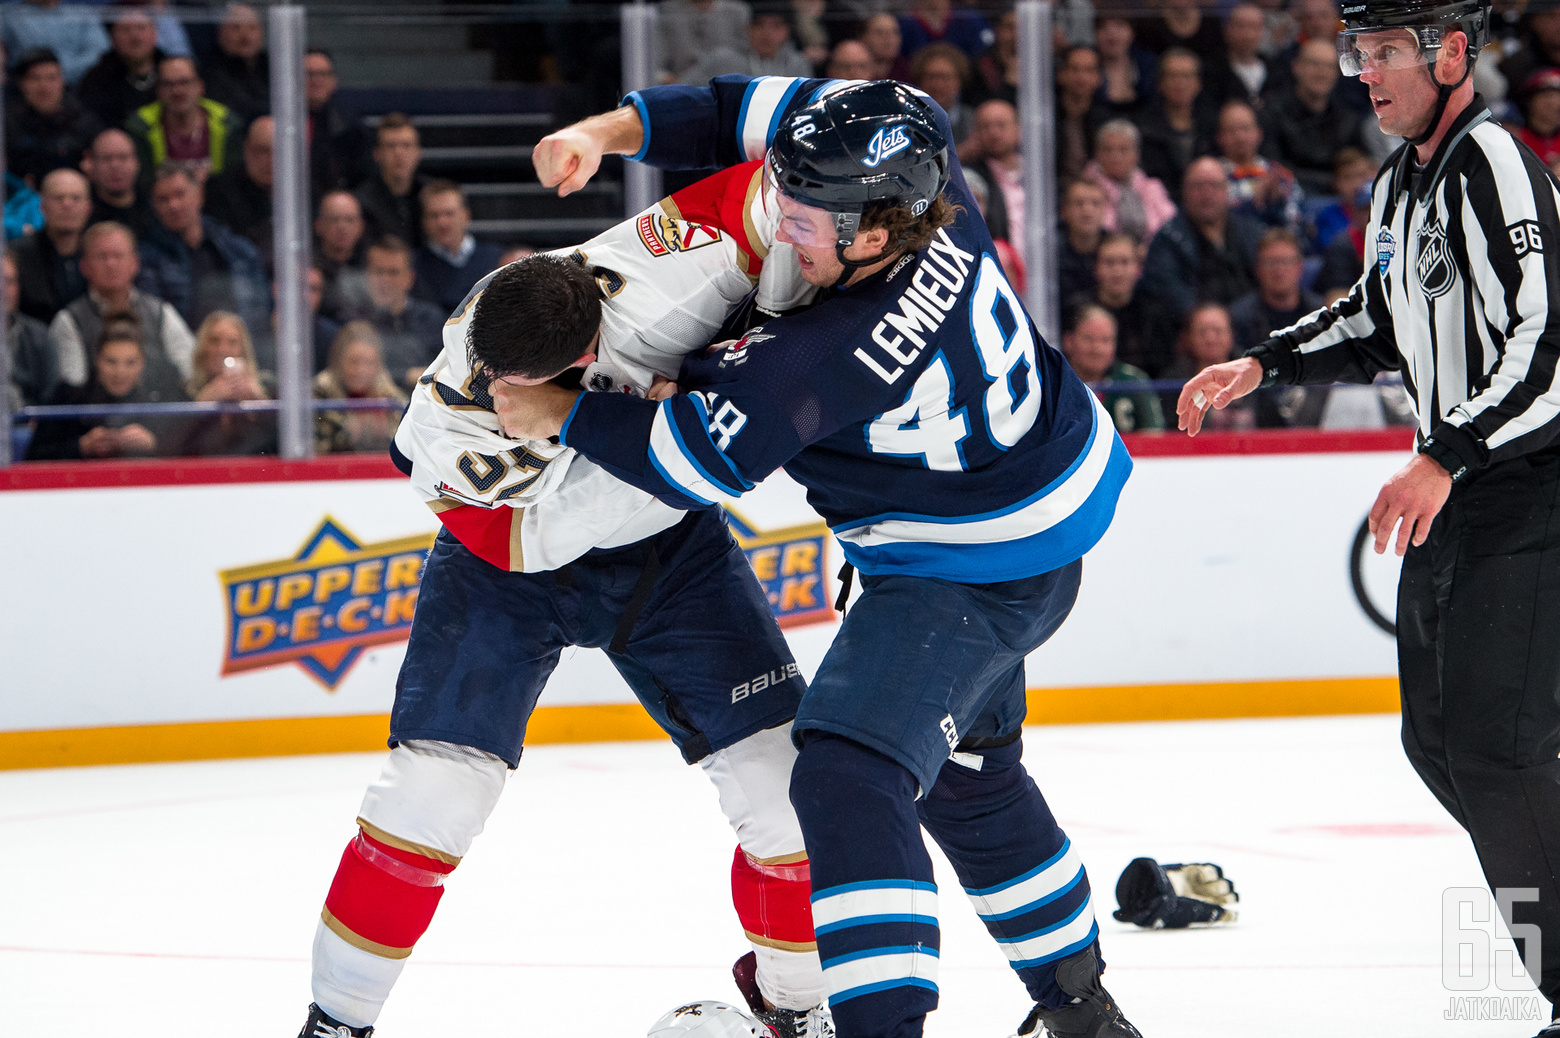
886	142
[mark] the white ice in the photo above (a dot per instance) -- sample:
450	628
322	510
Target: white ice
181	898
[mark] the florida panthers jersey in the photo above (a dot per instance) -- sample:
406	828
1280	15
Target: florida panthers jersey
668	278
934	429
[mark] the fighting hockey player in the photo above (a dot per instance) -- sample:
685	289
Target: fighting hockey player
542	549
964	469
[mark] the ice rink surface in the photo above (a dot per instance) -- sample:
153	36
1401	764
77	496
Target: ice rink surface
181	898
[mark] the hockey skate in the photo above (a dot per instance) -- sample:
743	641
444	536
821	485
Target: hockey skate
321	1025
1092	1012
783	1023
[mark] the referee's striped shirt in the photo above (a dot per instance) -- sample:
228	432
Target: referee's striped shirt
1461	291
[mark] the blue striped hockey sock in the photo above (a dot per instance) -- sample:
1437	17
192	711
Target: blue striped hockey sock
874	902
1017	866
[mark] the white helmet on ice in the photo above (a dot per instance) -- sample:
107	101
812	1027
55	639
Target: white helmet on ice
707	1020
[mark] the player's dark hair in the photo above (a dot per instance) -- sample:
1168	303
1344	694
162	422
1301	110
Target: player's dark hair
535	318
906	232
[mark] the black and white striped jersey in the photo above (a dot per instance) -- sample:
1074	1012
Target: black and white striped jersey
1461	292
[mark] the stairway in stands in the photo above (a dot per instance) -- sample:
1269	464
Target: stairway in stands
418	59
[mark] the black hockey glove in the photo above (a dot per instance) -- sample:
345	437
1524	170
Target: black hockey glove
1170	897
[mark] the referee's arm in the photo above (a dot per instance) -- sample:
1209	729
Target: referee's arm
1514	406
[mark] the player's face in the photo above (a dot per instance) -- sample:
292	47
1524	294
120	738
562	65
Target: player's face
811	232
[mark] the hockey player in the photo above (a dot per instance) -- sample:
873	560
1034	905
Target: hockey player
964	469
542	549
1461	292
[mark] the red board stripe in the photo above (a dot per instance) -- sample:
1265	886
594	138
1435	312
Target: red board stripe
43	475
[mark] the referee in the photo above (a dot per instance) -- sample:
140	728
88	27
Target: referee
1461	292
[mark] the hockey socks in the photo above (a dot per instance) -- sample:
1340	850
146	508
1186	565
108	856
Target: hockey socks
772	900
874	903
1015	863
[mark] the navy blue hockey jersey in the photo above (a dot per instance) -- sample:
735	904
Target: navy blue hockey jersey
935	431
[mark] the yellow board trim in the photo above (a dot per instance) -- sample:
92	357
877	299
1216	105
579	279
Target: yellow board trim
613	722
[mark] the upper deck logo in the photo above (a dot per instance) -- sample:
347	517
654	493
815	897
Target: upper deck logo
789	565
889	141
321	608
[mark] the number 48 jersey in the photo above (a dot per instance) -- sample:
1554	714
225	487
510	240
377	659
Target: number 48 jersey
934	429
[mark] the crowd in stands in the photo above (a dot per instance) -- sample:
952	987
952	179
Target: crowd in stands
1215	172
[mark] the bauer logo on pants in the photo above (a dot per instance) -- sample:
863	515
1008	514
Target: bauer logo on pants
321	608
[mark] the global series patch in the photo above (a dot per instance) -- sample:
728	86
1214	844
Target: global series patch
321	608
789	564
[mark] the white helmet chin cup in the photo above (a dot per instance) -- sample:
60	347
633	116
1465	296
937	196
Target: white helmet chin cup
707	1020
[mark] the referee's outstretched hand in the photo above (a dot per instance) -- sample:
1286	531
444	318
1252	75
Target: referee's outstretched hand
1414	494
1216	386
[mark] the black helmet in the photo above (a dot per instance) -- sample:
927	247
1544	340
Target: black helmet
867	145
1429	20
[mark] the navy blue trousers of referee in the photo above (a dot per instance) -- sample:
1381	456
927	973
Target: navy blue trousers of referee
1479	660
912	720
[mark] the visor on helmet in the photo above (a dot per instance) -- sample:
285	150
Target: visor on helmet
804	223
1386	49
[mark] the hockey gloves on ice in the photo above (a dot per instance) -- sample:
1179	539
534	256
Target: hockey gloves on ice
1169	897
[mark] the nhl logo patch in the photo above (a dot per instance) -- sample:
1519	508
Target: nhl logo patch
1386	248
1434	266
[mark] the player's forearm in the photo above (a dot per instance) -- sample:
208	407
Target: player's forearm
618	432
619	132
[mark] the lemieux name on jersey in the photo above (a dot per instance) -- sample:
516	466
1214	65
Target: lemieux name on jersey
932	293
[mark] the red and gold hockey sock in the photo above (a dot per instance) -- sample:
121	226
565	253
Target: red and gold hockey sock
773	900
385	892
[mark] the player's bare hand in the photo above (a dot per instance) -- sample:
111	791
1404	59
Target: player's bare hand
1217	386
661	389
568	158
1414	495
532	412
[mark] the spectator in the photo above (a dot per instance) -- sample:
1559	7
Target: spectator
35	372
1145	332
1306	125
810	30
1540	100
996	73
767	51
943	71
183	125
1072	24
225	370
452	261
356	371
412	330
49	261
240	198
338	150
193	262
1207	340
1278	301
1259	187
1182	25
881	35
1352	168
1279	28
939	21
687	30
1089	343
516	253
1206	253
1343	262
1244	72
1001	166
1126	70
323	331
114	173
1078	113
46	129
390	197
118	377
1178	126
340	252
23	208
73	33
239	74
110	264
1541	46
172	40
1315	21
125	78
1007	257
1135	203
1083	218
849	59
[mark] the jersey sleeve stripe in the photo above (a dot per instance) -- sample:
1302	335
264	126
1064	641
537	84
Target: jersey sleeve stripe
762	106
644	119
736	485
675	464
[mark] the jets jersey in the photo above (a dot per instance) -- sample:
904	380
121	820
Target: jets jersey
668	277
1461	291
933	428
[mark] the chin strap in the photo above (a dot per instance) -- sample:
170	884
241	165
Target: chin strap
850	265
1443	94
